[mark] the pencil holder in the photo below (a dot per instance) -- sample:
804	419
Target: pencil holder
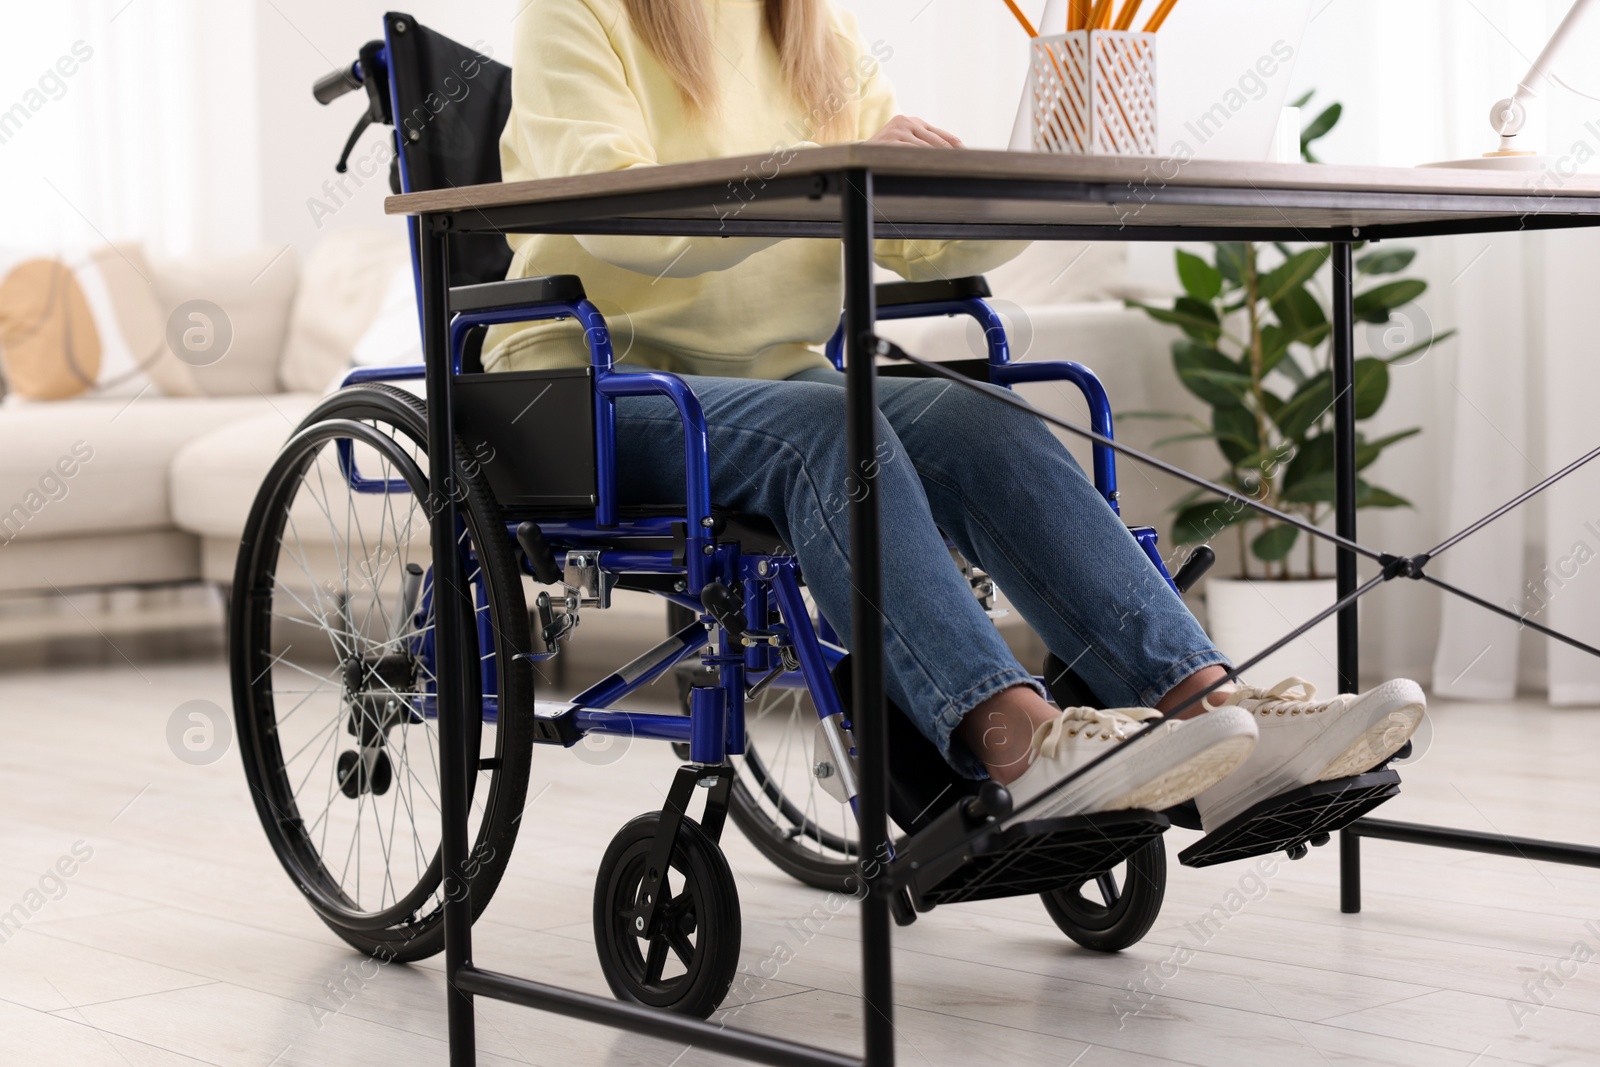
1093	92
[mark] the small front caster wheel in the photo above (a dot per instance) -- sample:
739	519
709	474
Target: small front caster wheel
1108	914
686	959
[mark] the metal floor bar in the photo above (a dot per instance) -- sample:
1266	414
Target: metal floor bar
647	1021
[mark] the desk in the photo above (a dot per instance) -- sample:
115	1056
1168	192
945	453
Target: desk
849	193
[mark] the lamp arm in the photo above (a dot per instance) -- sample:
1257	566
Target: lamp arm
1508	116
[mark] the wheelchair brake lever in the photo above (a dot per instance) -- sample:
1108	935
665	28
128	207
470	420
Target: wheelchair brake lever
727	607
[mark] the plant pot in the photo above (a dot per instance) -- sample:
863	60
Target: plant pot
1244	616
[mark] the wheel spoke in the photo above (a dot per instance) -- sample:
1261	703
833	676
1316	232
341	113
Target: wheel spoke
655	961
682	947
1108	887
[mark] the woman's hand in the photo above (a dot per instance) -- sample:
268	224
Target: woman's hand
903	129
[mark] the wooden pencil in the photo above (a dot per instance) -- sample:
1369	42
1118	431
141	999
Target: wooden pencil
1130	8
1026	25
1078	14
1160	16
1100	17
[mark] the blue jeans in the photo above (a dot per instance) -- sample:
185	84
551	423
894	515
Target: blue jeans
996	482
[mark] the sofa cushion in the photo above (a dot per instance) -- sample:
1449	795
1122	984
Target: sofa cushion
1062	272
226	322
100	466
348	286
214	478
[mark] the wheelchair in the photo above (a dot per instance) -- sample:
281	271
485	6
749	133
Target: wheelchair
333	668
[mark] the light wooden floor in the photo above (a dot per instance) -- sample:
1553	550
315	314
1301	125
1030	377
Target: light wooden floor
180	941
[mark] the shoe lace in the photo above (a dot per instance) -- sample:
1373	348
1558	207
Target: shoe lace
1105	724
1292	696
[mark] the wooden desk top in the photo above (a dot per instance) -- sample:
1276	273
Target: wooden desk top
1000	188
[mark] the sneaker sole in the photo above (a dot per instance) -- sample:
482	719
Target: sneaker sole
1381	739
1204	751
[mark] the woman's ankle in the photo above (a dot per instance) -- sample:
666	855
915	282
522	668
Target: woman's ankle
1000	731
1187	690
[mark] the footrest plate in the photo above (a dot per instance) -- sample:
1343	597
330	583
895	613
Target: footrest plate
1292	820
1031	857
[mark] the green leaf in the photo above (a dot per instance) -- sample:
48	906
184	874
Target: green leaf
1199	321
1209	374
1388	261
1203	435
1300	314
1368	451
1315	489
1231	258
1199	523
1319	128
1371	386
1370	496
1312	458
1200	279
1165	415
1273	544
1271	403
1375	305
1235	429
1306	406
1293	371
1303	100
1292	273
1275	342
1321	489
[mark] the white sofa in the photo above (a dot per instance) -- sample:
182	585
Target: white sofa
167	491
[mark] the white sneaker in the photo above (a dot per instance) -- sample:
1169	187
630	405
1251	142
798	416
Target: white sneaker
1306	740
1177	761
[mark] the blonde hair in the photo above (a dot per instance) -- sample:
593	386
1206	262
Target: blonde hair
813	65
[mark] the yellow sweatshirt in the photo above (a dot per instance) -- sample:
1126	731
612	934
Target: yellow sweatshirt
589	96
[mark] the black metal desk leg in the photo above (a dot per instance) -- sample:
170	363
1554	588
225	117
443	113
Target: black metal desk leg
1349	872
866	617
450	641
1344	448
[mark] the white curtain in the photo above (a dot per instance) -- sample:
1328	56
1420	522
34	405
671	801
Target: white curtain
1508	401
129	120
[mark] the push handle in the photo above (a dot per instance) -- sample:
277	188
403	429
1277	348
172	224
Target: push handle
331	87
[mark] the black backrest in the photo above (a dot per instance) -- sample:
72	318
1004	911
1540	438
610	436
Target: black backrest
450	105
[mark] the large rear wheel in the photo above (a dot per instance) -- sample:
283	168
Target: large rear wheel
334	678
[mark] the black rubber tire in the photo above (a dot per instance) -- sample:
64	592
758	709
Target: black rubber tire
705	905
1094	925
779	844
412	928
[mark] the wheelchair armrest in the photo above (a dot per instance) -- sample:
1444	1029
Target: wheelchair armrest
517	292
898	294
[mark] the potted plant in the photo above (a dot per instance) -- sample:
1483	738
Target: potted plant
1255	349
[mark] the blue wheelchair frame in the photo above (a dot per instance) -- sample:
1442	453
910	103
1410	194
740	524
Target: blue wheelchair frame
714	729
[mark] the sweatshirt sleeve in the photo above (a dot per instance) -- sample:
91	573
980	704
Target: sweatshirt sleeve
916	261
573	112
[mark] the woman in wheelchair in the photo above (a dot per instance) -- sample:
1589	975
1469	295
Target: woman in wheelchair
602	85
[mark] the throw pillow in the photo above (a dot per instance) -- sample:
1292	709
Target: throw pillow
225	321
355	302
84	325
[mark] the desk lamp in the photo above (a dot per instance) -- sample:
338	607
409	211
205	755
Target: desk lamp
1509	116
